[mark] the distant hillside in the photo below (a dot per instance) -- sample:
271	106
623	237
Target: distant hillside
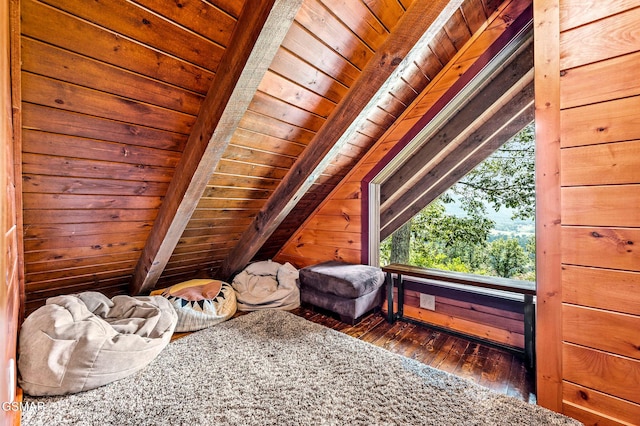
504	223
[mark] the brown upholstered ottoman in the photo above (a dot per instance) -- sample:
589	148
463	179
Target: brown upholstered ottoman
346	289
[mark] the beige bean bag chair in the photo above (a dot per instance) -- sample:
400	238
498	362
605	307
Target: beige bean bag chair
79	342
200	303
267	285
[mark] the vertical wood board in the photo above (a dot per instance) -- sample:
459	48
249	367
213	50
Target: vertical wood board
546	20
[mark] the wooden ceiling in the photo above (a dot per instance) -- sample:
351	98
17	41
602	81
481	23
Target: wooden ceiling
113	92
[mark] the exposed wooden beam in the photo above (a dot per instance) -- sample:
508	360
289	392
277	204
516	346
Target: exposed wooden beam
260	29
414	31
471	114
502	126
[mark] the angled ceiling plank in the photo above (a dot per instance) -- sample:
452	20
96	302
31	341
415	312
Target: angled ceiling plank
499	128
414	31
260	29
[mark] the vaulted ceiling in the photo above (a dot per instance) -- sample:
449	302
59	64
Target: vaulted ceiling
163	140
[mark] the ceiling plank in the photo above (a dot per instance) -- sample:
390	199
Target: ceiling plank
261	27
417	28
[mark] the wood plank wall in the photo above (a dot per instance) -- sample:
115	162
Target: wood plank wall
484	317
109	99
334	230
600	187
10	287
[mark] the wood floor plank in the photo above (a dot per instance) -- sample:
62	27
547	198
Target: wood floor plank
454	357
520	386
497	371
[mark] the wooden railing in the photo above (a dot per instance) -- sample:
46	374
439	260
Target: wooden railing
526	288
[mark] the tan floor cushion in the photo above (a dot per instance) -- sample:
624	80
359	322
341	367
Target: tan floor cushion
79	342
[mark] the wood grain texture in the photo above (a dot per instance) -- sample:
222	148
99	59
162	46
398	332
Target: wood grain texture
278	87
53	120
317	19
605	164
574	13
226	102
53	93
599	48
546	21
59	185
139	24
473	328
318	253
595	407
312	50
601	39
40	58
583	85
74	167
613	248
259	123
293	68
590	417
10	260
608	373
215	21
604	330
601	288
107	46
316	157
604	122
610	205
59	145
471	311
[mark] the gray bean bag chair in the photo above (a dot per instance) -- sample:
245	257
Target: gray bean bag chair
79	342
267	285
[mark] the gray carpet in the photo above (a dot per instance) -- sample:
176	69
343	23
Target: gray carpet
274	368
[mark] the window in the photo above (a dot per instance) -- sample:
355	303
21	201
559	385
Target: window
483	224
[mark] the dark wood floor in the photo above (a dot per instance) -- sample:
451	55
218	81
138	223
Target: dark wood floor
486	365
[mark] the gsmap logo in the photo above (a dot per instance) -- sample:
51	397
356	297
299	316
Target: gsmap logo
22	406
